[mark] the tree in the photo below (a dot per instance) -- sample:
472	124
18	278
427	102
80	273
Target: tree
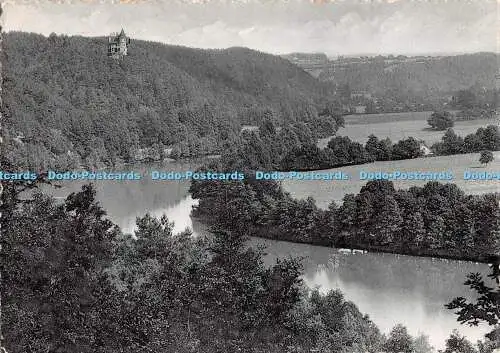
330	119
487	307
380	150
340	147
486	157
452	143
473	142
387	221
413	231
421	345
308	156
347	151
457	343
441	120
490	137
466	99
399	341
406	149
56	256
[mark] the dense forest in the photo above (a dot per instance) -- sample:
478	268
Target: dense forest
73	282
295	147
67	104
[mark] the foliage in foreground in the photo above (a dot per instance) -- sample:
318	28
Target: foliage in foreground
74	283
486	309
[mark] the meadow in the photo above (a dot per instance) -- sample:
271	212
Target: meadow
398	126
326	191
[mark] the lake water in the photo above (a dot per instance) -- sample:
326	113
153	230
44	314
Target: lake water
389	288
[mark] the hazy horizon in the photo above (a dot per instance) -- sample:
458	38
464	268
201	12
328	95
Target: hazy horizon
331	57
336	28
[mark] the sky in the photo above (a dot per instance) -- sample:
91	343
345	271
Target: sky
340	27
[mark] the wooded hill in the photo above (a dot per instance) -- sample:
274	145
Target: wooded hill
425	81
441	74
66	103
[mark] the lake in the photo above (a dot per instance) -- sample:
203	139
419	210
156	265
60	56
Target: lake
389	288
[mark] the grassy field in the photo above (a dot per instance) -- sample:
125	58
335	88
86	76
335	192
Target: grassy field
398	126
354	119
326	191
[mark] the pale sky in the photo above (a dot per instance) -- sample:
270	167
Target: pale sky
341	27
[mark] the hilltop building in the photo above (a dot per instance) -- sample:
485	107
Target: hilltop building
118	45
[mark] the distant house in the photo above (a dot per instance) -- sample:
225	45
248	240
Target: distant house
359	109
361	94
425	150
252	128
118	45
19	138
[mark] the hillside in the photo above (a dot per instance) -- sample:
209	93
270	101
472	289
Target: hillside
315	64
66	103
419	73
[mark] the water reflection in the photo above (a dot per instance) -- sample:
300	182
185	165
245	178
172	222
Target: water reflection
390	288
124	201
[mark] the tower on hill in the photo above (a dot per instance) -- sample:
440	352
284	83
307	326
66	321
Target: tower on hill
118	45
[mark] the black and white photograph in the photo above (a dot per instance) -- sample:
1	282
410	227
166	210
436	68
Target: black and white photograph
253	176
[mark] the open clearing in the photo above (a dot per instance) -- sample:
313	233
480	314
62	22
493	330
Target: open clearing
398	126
326	191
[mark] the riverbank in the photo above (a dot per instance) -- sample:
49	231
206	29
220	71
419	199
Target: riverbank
438	254
433	220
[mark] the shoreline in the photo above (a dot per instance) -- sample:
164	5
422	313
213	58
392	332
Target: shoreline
368	249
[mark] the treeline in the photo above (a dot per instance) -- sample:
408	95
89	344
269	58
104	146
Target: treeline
434	220
268	145
483	139
294	147
476	102
341	151
66	103
72	282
